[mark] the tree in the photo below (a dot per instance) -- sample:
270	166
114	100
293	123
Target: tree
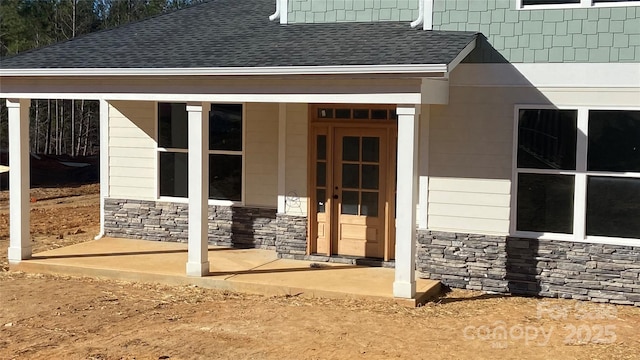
58	126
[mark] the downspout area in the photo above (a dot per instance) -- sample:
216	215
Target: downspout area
276	15
281	12
420	20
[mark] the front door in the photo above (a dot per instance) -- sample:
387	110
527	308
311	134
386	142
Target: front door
359	191
352	182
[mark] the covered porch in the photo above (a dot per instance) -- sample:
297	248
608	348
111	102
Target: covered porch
409	97
273	79
242	270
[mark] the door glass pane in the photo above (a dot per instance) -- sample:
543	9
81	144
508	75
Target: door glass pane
350	176
321	174
174	174
613	207
321	198
614	141
370	177
369	205
321	147
379	114
225	127
225	177
343	113
360	113
349	203
325	113
545	203
547	139
351	148
371	149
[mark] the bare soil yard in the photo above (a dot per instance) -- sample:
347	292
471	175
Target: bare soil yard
55	317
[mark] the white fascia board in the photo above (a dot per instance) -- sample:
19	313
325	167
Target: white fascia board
403	98
235	71
462	55
541	75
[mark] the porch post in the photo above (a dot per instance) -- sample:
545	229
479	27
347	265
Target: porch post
104	161
423	168
19	180
198	256
282	153
407	195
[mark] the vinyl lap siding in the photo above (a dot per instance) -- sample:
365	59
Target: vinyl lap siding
132	150
296	159
469	205
470	161
261	154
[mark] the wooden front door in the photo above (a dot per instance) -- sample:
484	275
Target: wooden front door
352	182
359	191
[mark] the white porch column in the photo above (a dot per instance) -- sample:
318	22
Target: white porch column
104	161
407	196
19	180
282	153
198	256
423	168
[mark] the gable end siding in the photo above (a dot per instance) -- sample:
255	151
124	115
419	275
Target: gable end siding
594	35
326	11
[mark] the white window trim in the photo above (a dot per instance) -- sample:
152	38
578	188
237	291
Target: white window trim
185	200
580	190
581	5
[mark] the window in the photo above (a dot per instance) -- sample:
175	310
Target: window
225	150
587	187
172	145
550	4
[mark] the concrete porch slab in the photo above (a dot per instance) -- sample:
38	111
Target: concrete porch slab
242	270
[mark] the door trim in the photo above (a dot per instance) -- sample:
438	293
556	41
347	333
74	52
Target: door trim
327	126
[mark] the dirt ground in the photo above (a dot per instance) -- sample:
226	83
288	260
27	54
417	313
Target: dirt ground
55	317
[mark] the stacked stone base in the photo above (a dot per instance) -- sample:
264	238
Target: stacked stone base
466	261
240	227
583	271
291	236
561	269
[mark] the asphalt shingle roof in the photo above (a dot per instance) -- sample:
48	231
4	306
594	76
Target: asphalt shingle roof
238	33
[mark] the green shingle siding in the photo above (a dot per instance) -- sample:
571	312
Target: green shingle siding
318	11
603	34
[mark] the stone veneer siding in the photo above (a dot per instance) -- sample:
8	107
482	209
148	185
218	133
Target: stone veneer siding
291	236
583	271
243	227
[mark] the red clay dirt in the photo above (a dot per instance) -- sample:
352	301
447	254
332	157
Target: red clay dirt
44	316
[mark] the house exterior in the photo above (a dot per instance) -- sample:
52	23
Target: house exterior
491	144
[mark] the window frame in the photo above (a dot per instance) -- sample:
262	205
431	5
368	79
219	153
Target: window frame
241	153
580	177
581	5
